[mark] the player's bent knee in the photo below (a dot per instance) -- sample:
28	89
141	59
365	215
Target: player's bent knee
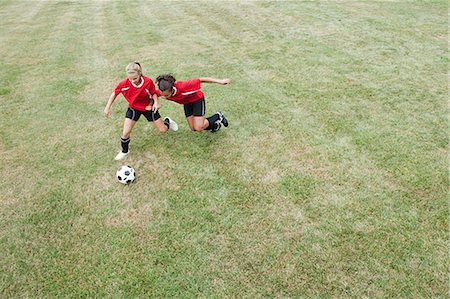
198	128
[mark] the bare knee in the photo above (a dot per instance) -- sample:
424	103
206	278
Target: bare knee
193	127
198	128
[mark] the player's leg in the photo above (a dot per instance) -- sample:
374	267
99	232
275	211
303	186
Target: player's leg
190	121
161	125
155	117
189	113
131	117
200	123
212	123
198	112
222	118
128	126
216	121
195	116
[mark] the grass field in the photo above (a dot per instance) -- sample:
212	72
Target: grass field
331	181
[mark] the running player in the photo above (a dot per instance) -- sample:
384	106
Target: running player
189	94
142	99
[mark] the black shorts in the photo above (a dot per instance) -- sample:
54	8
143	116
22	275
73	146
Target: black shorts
136	114
196	108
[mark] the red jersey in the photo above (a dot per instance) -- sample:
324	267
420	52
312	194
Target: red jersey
138	97
185	92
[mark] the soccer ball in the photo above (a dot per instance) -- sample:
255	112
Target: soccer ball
125	174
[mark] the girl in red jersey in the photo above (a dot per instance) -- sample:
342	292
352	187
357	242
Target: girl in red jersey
142	99
189	94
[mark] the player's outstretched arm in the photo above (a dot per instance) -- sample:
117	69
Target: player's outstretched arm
107	110
214	80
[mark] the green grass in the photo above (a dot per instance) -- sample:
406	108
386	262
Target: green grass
331	181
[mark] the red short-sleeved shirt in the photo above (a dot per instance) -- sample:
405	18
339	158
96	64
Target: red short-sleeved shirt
138	97
186	92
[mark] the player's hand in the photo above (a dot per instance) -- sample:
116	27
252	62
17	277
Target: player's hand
149	107
226	81
155	107
107	112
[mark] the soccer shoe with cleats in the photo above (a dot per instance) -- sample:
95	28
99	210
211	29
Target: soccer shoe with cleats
120	156
216	128
172	125
223	119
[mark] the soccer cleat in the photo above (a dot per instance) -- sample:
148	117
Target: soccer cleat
223	119
120	156
216	128
172	125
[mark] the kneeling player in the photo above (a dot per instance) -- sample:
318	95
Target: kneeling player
189	94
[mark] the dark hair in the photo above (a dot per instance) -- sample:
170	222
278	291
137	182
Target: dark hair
165	82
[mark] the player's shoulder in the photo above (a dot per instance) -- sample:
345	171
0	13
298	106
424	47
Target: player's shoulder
124	82
147	80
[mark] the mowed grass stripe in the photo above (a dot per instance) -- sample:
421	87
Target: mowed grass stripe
37	222
362	178
52	209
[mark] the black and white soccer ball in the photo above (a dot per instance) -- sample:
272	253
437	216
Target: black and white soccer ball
125	174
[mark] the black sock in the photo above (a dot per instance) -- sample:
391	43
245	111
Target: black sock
125	143
167	123
212	120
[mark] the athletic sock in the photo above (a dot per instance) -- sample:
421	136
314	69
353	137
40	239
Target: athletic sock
167	123
125	143
212	121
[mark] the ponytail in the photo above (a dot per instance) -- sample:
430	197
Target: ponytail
134	67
